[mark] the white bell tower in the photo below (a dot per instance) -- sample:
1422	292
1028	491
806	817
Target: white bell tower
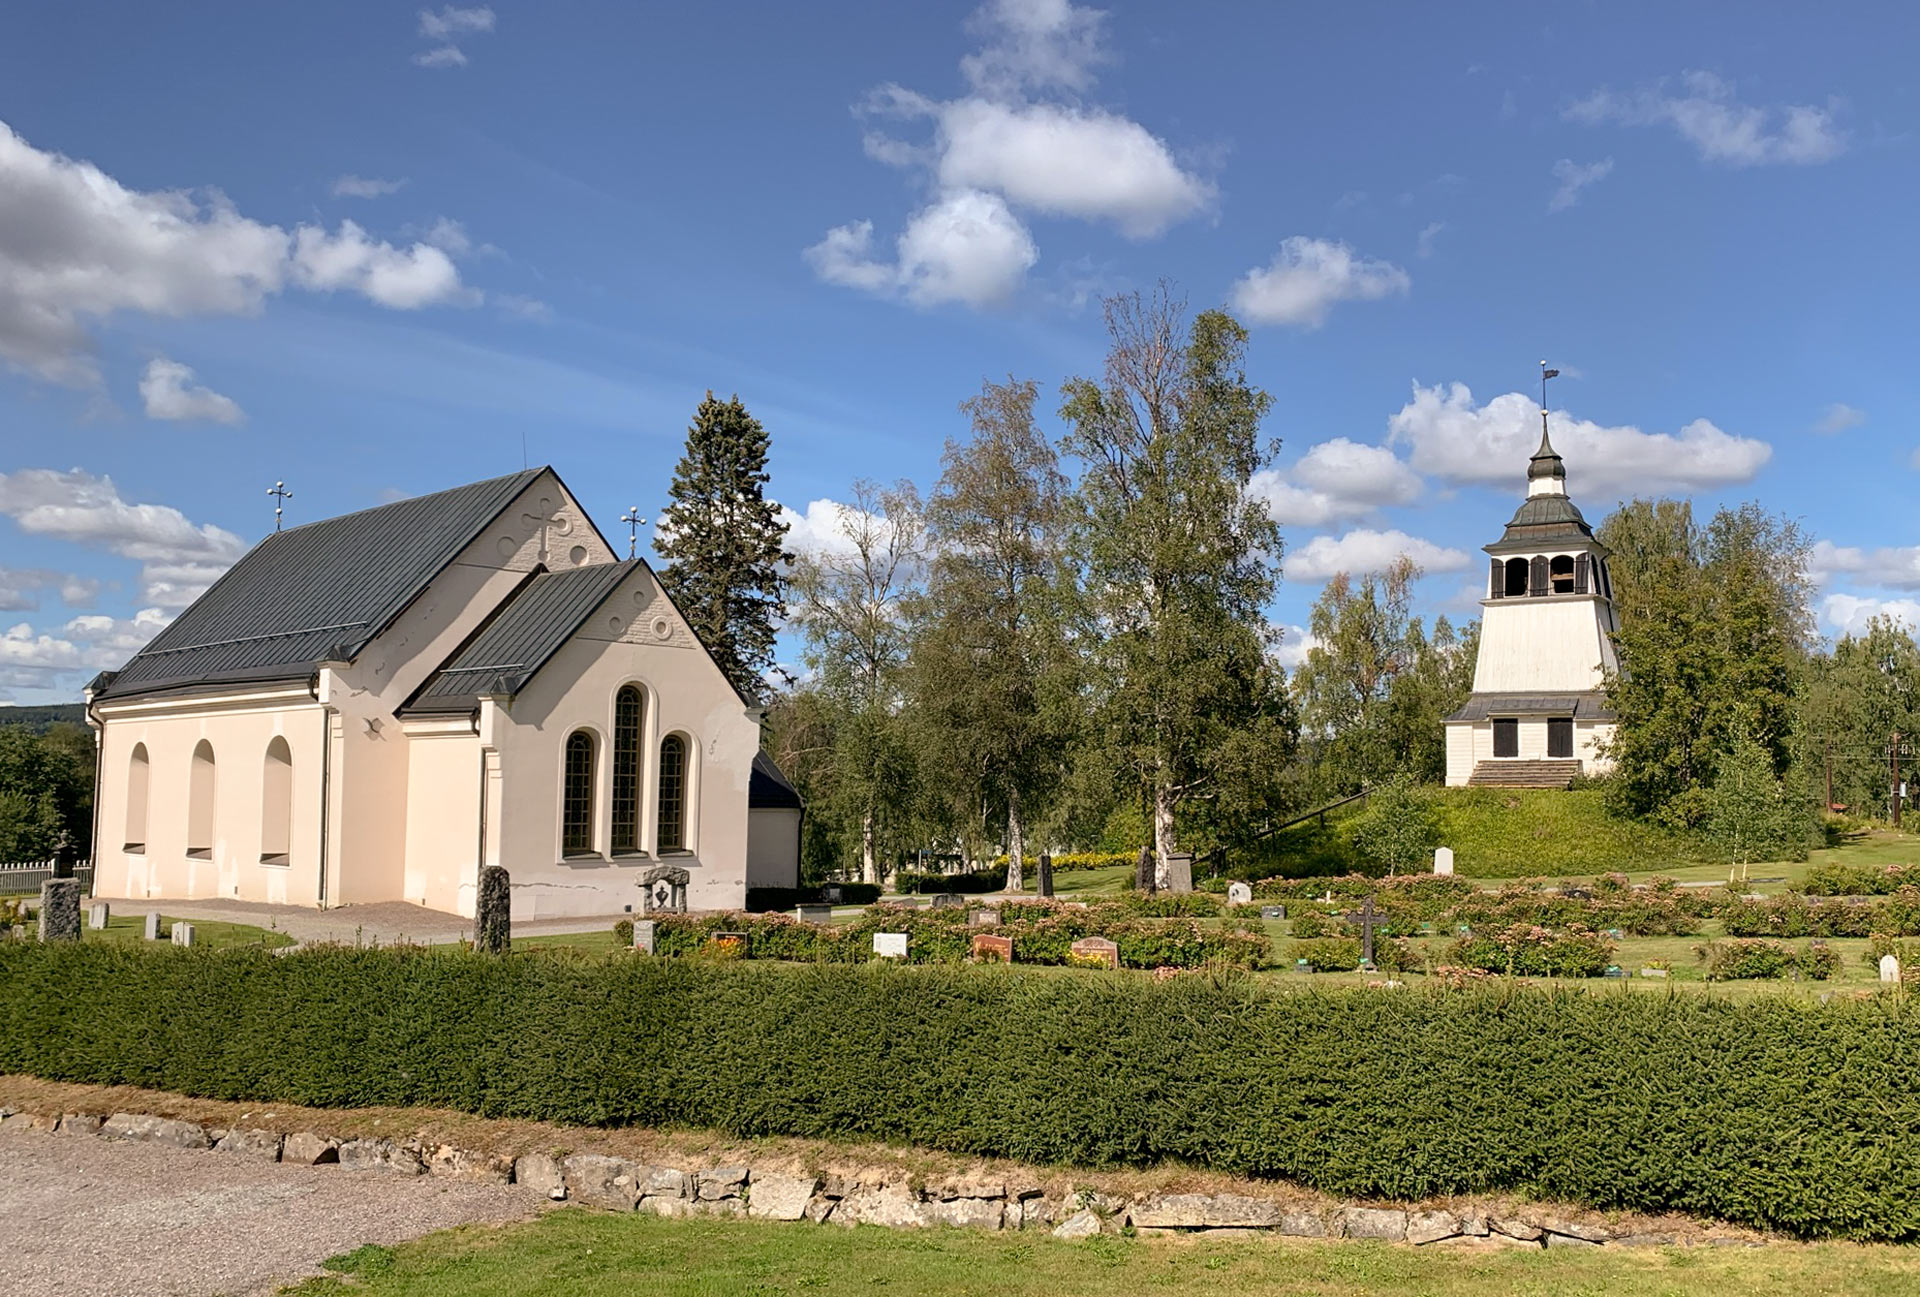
1537	715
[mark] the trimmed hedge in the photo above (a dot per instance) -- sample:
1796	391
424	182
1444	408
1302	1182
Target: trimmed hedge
1773	1111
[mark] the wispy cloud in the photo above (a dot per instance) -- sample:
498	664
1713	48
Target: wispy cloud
1705	112
446	28
351	186
1574	177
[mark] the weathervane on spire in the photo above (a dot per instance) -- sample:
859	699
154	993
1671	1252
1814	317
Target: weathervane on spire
1545	374
634	522
281	495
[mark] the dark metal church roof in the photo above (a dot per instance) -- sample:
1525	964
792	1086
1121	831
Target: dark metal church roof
769	788
523	633
1543	521
315	593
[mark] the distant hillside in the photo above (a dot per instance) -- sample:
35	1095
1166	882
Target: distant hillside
38	719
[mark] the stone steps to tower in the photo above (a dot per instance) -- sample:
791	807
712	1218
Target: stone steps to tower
1512	773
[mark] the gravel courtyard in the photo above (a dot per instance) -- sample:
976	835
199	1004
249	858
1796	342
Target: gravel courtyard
84	1217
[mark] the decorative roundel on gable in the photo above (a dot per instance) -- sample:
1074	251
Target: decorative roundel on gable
579	555
615	625
507	546
662	628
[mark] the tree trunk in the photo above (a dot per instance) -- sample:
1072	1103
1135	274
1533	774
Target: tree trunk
1163	845
867	872
1016	841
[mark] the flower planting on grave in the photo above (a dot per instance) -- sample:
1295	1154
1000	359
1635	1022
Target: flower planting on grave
1838	878
1614	1101
1527	950
1756	957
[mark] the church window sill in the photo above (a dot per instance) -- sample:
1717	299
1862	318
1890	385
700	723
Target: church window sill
135	848
279	858
582	858
199	853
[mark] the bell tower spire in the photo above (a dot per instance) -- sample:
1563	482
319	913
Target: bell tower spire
1546	471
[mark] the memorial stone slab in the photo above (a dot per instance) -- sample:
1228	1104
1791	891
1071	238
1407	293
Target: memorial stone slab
813	913
1092	948
988	947
97	915
1179	871
493	912
60	909
948	900
1045	881
182	933
1443	861
982	918
1273	911
152	930
1889	968
644	935
890	945
1239	894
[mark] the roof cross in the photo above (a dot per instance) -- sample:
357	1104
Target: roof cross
634	522
279	490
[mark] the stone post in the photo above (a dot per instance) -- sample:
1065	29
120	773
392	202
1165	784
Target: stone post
493	912
60	909
1045	881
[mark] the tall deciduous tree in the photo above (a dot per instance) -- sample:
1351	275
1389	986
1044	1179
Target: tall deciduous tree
1180	558
724	542
853	596
1713	641
990	675
1856	698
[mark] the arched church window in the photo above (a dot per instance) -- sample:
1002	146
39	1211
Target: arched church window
1516	577
139	769
629	711
200	803
673	794
576	802
1560	571
276	802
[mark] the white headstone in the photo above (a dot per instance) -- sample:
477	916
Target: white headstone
643	935
1889	968
1443	861
97	915
153	925
182	933
1239	894
890	945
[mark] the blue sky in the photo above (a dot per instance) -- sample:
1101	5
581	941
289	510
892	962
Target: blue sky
368	248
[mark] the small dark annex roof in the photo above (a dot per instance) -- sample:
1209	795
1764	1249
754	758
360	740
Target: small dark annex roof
315	593
769	789
1580	706
526	630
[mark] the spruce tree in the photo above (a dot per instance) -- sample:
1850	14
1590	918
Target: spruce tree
723	542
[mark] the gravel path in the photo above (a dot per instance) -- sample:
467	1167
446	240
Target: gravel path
383	922
87	1217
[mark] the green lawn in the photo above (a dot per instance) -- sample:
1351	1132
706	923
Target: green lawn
576	1253
207	933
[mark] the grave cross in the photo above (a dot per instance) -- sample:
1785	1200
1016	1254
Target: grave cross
1364	917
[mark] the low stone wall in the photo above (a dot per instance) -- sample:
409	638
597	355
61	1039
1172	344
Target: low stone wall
885	1197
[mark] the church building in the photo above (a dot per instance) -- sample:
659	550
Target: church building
1537	716
373	707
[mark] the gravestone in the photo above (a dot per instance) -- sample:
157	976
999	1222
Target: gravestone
948	901
60	909
1144	878
813	913
983	918
1097	948
1239	894
890	945
97	916
1273	911
493	912
182	933
663	890
1889	968
1045	881
831	895
644	936
987	946
1443	861
1179	871
152	930
1364	916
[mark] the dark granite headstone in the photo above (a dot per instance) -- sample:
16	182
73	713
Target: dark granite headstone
493	912
1045	881
60	909
1143	875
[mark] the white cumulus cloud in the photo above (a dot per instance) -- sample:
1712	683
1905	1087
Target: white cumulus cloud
1573	177
168	391
1893	566
1705	112
1334	480
1364	550
967	247
1850	614
1453	438
76	246
1295	643
1307	277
